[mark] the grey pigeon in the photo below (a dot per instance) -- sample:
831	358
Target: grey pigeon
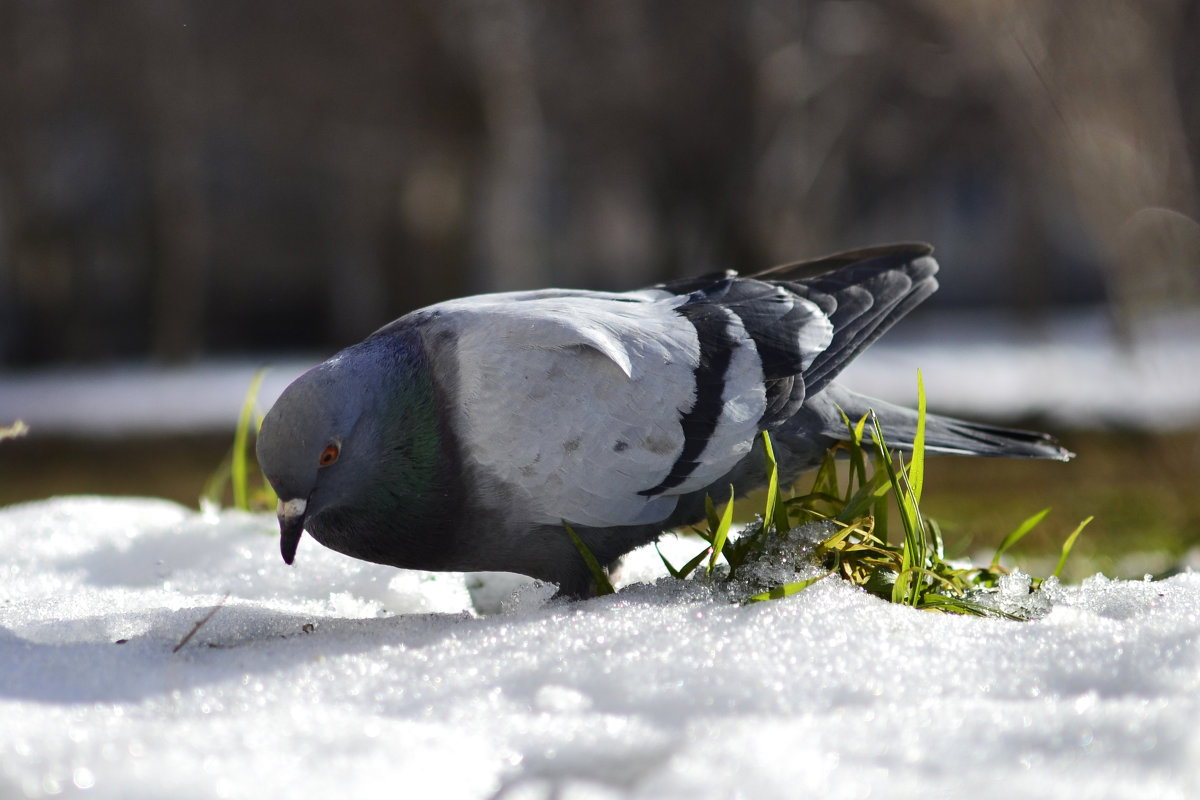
462	435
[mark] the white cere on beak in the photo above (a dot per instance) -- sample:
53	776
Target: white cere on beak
290	509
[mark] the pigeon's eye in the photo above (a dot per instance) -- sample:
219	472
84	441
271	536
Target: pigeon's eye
329	454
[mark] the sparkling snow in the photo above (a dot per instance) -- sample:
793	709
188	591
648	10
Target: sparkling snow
335	678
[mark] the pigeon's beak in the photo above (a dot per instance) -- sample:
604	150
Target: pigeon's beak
291	525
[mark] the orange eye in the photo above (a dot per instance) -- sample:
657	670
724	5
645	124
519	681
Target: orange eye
329	454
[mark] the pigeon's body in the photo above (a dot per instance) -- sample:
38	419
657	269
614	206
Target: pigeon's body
462	435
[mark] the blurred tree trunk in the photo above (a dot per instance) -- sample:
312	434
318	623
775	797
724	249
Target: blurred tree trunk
9	202
512	213
175	117
37	274
362	162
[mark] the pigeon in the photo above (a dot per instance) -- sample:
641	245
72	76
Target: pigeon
462	436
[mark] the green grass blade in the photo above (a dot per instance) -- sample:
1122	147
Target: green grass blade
858	464
939	542
241	490
881	504
916	467
603	584
798	586
776	510
784	591
812	500
721	533
914	528
1067	545
772	482
915	553
1017	535
670	568
826	482
932	574
957	605
696	560
686	569
866	496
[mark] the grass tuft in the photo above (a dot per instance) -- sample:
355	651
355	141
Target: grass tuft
233	475
1018	534
1068	544
913	571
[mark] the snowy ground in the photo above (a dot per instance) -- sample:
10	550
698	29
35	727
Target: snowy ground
335	678
338	679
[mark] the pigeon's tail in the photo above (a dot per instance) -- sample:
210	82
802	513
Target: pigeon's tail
959	437
944	434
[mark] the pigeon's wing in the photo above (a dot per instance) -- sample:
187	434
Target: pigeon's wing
816	267
810	319
602	408
863	293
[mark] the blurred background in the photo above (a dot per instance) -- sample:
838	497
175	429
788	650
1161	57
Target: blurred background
186	181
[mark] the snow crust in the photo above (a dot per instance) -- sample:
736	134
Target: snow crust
336	678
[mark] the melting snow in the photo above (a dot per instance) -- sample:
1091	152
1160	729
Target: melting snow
335	678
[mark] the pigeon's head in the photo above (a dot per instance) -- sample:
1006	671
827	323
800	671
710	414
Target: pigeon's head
312	446
353	448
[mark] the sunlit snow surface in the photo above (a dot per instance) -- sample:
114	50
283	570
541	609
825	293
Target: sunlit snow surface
335	678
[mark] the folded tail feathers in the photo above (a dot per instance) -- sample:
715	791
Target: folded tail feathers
949	435
955	436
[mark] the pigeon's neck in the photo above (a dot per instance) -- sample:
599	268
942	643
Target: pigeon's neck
408	510
414	435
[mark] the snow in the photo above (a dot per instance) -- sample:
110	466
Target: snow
1072	369
336	678
140	398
